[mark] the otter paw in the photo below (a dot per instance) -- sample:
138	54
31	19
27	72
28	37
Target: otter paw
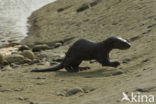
115	64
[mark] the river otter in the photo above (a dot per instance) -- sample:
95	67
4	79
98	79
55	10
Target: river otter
86	50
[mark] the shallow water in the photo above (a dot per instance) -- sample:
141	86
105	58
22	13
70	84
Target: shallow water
13	18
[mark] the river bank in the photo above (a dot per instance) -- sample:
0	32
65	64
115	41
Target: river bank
13	18
56	26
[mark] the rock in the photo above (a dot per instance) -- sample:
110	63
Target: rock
40	78
126	60
145	60
34	61
146	32
38	48
14	52
134	38
138	75
5	90
11	41
40	83
58	59
1	59
28	54
117	73
58	45
53	63
142	90
147	89
64	8
74	91
23	47
32	103
6	68
87	5
18	59
20	98
60	94
87	89
13	65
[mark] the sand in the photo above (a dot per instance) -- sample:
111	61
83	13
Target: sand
131	19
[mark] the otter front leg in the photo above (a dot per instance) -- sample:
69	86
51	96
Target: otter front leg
106	62
69	69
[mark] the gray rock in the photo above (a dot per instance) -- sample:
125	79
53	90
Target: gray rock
23	47
74	91
126	60
6	68
87	89
31	102
58	45
58	59
1	59
20	98
28	54
60	94
41	47
18	59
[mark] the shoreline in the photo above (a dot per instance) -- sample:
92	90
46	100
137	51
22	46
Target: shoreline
14	24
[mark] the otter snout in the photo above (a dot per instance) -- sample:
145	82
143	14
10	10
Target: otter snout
126	45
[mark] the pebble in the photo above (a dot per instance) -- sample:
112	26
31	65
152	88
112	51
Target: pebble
60	94
88	89
126	60
74	91
58	45
1	59
20	98
18	59
142	90
6	68
23	47
28	54
38	48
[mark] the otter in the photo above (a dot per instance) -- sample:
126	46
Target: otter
83	49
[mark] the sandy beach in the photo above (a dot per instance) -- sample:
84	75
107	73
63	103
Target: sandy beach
66	21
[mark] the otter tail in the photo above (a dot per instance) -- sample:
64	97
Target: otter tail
58	67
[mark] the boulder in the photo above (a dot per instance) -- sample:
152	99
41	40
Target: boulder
18	59
28	54
40	47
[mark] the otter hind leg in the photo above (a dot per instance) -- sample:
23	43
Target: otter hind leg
69	69
72	64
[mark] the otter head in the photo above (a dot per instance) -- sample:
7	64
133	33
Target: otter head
118	43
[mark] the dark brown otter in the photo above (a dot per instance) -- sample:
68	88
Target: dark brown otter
86	50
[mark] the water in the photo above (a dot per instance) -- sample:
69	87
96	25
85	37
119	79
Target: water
13	18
